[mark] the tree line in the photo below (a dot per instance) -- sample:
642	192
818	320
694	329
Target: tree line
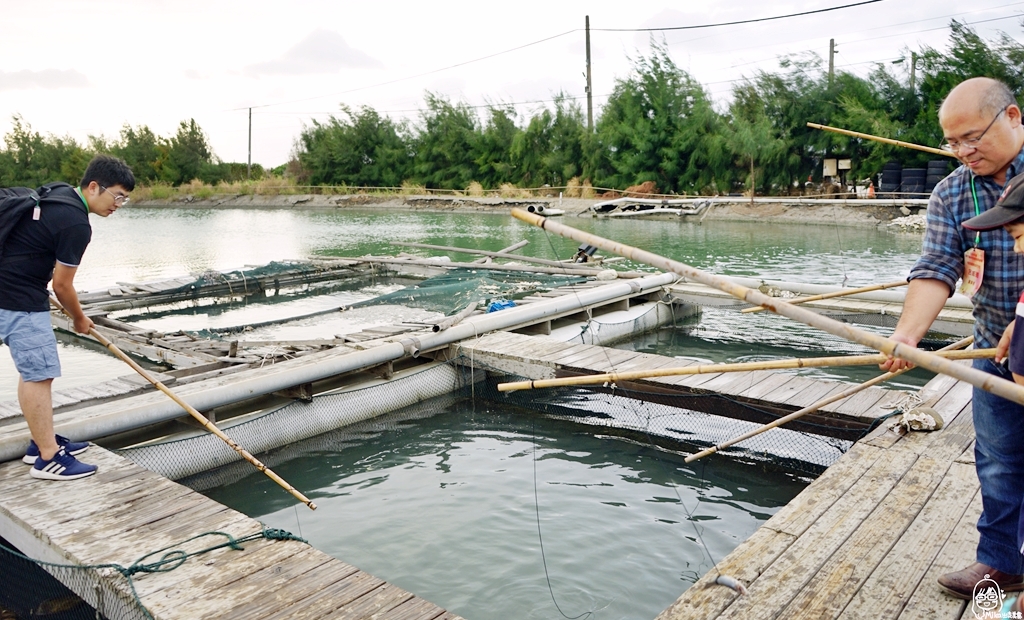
659	124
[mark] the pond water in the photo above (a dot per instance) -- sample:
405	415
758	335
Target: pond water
497	513
491	511
140	244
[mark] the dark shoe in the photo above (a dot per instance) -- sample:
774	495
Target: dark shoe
62	466
73	448
961	583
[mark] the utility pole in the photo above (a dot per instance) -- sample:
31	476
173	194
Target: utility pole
913	71
590	90
831	60
248	169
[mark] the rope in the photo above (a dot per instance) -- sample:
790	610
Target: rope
172	558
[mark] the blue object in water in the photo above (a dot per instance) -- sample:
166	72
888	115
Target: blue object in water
501	304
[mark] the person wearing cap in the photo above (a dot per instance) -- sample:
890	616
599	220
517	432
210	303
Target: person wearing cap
981	123
1008	214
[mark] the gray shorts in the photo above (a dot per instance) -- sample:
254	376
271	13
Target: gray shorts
33	346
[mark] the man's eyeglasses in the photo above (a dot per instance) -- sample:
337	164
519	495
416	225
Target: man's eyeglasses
971	143
119	200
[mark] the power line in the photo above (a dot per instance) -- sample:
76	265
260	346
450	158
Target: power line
745	21
411	77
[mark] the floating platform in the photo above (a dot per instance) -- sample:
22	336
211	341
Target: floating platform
125	512
868	538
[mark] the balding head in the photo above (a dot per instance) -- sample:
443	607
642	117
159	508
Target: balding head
981	95
981	118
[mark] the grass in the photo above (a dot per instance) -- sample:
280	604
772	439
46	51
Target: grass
281	186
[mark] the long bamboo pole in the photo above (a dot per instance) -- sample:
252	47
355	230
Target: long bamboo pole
812	408
843	293
909	145
982	380
192	411
707	369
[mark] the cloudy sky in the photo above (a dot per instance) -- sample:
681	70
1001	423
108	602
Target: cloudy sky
88	67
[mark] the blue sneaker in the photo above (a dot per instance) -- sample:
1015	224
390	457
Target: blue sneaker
71	447
63	466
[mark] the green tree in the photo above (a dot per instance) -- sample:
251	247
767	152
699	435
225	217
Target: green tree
659	125
189	156
143	151
492	152
360	149
444	145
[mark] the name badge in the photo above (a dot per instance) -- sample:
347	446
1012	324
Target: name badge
974	269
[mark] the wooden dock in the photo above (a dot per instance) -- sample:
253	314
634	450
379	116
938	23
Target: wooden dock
868	538
741	395
125	512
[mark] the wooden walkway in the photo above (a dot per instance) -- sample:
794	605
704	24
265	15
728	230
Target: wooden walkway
778	392
125	512
868	538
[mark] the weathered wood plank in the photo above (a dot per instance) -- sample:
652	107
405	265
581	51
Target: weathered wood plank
784	580
928	601
706	600
885	593
842	575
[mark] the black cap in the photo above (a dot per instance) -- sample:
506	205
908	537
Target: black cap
1009	208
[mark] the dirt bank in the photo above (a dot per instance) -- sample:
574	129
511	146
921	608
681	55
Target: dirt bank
842	212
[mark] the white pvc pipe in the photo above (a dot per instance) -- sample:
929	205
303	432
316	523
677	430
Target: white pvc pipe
116	417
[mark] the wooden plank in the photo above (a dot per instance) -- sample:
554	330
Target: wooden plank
900	573
372	604
291	597
802	511
192	595
337	595
928	601
785	578
413	609
837	580
707	600
223	601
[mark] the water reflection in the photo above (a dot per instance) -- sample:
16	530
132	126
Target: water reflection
445	503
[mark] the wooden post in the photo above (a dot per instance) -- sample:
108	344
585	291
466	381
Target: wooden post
248	168
590	89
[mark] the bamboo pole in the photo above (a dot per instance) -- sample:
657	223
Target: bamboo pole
844	293
192	411
499	254
707	369
818	405
982	380
909	145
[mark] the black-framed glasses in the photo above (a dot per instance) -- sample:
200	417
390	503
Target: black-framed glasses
119	199
971	143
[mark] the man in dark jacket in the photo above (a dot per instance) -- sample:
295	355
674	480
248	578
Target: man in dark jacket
48	243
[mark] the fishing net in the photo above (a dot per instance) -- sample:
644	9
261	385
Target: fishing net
30	589
457	288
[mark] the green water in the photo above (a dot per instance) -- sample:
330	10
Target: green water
446	505
140	244
496	513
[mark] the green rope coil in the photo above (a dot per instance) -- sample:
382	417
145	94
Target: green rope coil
172	557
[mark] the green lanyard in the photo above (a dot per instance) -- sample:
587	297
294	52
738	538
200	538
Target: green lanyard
977	210
85	203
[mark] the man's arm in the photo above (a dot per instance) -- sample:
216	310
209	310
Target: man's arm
925	299
64	288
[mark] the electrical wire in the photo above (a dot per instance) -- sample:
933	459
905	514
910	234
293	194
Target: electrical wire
745	21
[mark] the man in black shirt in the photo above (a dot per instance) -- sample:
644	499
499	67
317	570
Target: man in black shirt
48	243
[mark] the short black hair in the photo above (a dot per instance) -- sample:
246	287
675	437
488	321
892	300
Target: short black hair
108	171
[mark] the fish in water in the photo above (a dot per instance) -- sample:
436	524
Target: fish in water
57	605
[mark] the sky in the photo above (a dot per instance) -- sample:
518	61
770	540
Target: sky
83	68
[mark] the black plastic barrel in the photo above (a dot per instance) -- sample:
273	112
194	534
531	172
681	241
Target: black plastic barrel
912	182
